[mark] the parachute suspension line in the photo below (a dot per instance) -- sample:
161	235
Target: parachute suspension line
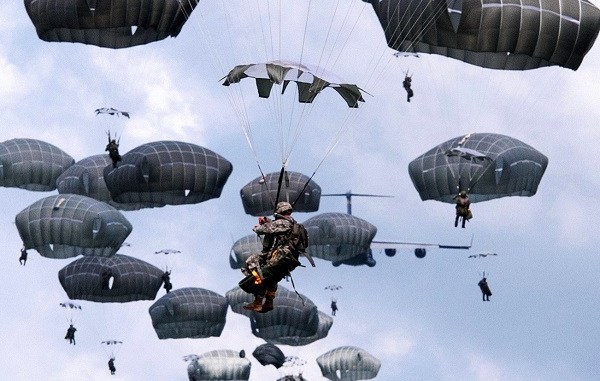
427	24
305	31
235	96
335	61
327	38
279	182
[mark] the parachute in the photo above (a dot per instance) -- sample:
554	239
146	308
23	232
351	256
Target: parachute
117	279
364	258
111	111
31	164
108	23
324	325
68	225
167	251
242	249
86	178
338	237
283	72
189	312
111	348
294	320
269	354
493	34
348	363
259	195
513	169
167	173
222	364
71	308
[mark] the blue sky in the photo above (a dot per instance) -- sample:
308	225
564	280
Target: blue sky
423	318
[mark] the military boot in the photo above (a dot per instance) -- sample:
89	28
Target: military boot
268	306
255	305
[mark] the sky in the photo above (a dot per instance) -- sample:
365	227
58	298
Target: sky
423	318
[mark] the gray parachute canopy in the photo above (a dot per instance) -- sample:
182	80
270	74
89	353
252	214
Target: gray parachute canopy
283	72
325	323
338	237
68	225
108	23
364	258
259	195
189	312
348	363
117	279
243	248
269	354
513	168
86	178
293	321
167	173
496	34
222	364
31	164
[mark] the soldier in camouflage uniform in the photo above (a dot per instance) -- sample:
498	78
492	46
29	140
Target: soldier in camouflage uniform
278	258
462	208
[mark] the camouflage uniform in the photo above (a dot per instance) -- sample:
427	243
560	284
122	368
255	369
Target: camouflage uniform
277	260
113	152
463	210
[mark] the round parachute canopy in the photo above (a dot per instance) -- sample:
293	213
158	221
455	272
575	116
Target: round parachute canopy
222	364
493	34
485	165
269	354
364	258
86	178
167	173
325	323
259	195
292	319
189	312
68	225
283	72
108	23
31	164
348	363
242	249
338	237
117	279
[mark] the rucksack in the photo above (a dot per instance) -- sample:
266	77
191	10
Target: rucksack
298	238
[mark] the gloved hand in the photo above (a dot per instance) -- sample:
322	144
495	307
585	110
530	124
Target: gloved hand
263	220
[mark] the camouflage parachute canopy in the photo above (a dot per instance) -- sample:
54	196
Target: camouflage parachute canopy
189	312
348	363
31	164
67	225
108	23
259	195
117	279
283	72
338	237
222	365
496	34
294	320
510	168
167	173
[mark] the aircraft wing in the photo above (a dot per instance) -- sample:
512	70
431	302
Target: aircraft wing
375	244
